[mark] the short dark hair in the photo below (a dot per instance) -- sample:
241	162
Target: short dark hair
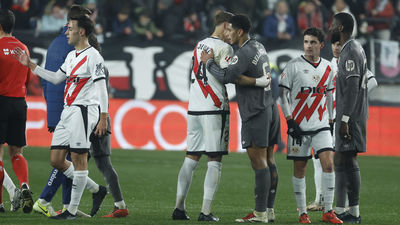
222	17
316	32
241	22
81	14
7	20
346	20
335	37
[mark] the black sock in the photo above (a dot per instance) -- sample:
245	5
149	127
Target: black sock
261	190
274	185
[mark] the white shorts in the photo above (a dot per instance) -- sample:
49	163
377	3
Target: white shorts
301	149
208	134
73	130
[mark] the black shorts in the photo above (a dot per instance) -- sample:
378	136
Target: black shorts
101	146
13	121
263	130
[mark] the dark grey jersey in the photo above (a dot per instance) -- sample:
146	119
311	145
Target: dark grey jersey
351	96
352	66
250	60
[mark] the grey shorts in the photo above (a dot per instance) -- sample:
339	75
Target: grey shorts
101	146
358	132
263	129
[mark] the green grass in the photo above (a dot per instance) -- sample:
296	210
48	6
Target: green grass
148	181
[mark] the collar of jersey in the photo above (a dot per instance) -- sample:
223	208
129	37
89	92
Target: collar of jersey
78	53
351	39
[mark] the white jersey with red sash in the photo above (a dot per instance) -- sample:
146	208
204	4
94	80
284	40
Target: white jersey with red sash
82	69
207	93
308	83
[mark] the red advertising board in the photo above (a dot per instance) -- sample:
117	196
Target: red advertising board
161	125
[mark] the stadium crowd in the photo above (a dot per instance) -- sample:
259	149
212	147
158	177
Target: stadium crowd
169	19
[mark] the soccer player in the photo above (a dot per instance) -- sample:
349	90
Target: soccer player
317	205
85	104
351	116
306	83
13	81
259	115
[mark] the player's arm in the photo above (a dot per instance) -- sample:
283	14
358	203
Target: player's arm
227	75
24	59
99	80
351	90
329	105
372	83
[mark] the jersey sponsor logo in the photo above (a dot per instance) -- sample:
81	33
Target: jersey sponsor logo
300	112
6	51
235	59
349	65
80	82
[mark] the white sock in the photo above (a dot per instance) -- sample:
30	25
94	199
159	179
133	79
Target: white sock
339	210
65	206
328	189
78	185
92	186
211	182
9	185
317	179
120	204
355	210
184	181
69	172
299	188
346	205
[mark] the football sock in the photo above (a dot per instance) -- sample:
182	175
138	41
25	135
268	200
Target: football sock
78	185
103	163
43	201
184	181
92	186
355	210
261	189
69	172
211	182
354	183
274	184
120	204
317	179
52	185
328	189
20	167
340	210
299	188
341	186
8	184
66	190
1	181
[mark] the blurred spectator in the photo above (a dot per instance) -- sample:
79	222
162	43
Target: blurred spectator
92	6
122	24
54	18
309	16
341	6
381	13
169	16
396	27
280	25
192	24
145	26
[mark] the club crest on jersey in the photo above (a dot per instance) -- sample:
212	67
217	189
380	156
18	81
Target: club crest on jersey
316	78
350	65
295	150
235	59
99	69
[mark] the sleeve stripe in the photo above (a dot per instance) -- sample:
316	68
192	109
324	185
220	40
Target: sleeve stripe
284	87
353	75
330	89
369	78
62	70
97	79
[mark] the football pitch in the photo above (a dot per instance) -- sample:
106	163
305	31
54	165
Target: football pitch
148	181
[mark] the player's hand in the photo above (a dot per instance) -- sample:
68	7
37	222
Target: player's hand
344	132
21	56
206	56
264	81
331	125
294	129
101	128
